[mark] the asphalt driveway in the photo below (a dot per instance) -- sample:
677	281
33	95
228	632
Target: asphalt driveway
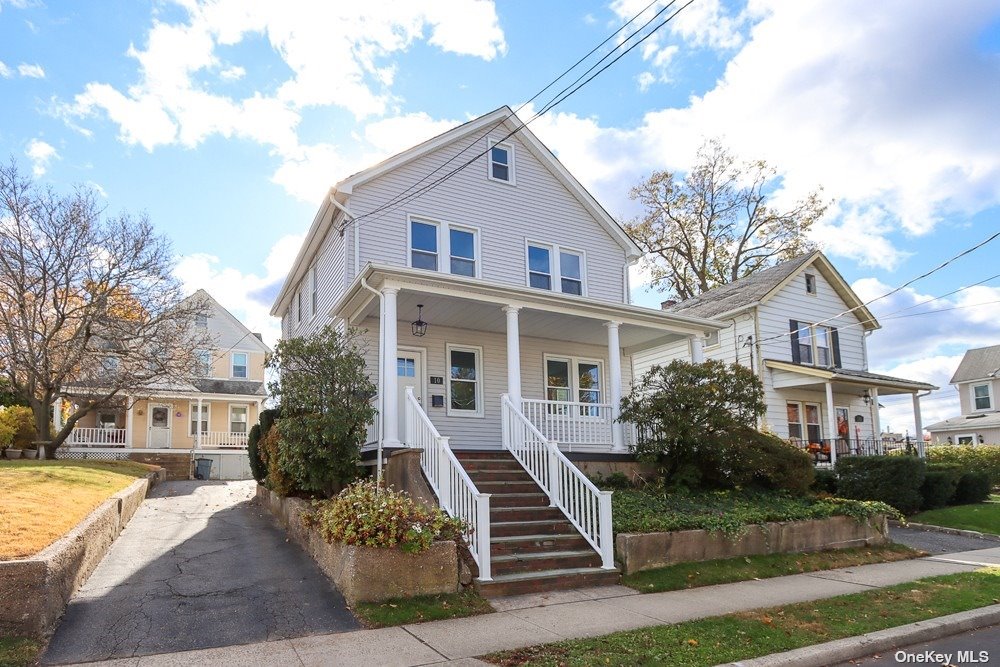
199	566
936	543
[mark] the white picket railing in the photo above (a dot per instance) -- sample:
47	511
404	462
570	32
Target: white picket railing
456	493
587	507
96	437
222	440
571	422
372	431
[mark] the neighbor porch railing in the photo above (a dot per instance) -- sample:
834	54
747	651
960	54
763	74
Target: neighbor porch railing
571	422
820	449
587	507
96	437
456	493
222	440
372	430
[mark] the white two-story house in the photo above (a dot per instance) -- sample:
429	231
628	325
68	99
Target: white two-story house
803	330
977	380
494	301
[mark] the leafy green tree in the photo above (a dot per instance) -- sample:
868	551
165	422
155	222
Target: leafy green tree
324	390
717	224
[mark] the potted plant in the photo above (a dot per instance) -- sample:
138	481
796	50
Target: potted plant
29	453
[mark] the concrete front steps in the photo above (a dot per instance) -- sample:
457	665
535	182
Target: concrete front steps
533	547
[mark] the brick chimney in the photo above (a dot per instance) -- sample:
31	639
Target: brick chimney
666	305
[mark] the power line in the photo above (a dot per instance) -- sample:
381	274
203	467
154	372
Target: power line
560	97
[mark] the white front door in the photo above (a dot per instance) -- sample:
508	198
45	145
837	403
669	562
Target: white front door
409	373
159	426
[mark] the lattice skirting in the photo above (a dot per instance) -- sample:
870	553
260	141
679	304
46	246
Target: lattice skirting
62	453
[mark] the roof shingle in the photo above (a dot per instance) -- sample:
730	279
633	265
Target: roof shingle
977	364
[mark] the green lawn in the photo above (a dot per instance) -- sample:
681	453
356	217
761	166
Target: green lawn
19	651
708	573
712	641
984	517
420	609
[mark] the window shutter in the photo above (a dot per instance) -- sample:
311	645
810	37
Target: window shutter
793	326
835	342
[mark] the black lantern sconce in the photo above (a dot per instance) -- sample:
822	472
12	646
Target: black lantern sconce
866	397
419	327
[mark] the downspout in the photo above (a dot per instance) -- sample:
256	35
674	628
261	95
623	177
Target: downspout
381	369
864	347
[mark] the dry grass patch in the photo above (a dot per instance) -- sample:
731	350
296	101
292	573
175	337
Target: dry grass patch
40	501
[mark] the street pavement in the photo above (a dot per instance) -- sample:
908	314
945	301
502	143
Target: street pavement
976	647
199	565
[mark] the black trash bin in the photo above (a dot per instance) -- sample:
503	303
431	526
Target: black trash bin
202	468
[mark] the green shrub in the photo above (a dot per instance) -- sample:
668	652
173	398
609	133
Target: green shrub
894	480
21	421
981	458
271	456
825	481
763	461
257	467
613	482
973	487
267	419
939	485
366	514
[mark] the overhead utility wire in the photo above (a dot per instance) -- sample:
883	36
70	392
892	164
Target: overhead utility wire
560	97
965	252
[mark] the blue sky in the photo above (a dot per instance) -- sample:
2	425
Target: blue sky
226	121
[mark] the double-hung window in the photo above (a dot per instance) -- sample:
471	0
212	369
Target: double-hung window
456	246
298	306
238	418
204	418
314	294
572	379
804	421
423	245
814	344
822	338
465	380
805	344
982	398
501	166
239	364
462	248
204	362
551	267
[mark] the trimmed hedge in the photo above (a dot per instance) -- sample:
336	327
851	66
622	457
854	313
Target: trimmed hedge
939	485
982	458
973	487
894	480
825	482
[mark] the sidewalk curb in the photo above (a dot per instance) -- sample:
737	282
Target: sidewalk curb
850	648
947	531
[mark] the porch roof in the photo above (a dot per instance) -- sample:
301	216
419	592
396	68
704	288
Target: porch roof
791	375
476	304
967	423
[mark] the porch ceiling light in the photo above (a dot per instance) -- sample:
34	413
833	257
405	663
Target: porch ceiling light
866	397
418	327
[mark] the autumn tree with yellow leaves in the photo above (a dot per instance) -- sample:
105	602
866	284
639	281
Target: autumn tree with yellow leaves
89	306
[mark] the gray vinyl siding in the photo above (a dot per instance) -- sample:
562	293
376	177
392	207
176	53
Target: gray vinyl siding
729	350
777	411
468	431
538	208
331	279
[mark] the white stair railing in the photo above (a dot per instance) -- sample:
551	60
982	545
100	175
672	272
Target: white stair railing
587	507
456	493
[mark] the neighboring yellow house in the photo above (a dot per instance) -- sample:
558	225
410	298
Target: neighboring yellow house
166	421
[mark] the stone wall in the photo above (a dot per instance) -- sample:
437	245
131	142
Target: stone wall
34	591
646	551
366	574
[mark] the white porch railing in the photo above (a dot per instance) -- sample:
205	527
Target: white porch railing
96	437
456	492
587	507
571	422
372	432
222	439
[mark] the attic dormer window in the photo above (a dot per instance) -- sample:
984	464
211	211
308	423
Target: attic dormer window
810	283
501	163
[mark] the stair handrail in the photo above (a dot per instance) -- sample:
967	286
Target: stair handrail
587	507
456	492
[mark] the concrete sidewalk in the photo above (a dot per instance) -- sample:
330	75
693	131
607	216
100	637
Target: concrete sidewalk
536	619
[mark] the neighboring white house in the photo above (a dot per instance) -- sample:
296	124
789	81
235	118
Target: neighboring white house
163	425
521	279
977	380
801	327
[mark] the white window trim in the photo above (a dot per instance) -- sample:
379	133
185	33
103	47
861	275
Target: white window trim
574	375
813	344
804	423
103	413
555	271
443	236
511	167
229	414
193	408
232	365
815	291
480	383
972	396
959	436
313	293
711	346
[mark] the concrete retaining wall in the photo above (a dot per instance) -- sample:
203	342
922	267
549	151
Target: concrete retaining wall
34	591
366	574
646	551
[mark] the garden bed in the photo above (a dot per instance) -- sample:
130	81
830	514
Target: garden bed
367	574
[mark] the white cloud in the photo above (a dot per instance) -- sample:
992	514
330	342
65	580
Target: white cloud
234	73
246	295
40	153
5	72
31	71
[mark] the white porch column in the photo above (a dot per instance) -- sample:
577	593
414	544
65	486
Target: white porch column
918	423
615	373
197	427
831	423
513	356
57	414
129	420
390	385
697	350
876	420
